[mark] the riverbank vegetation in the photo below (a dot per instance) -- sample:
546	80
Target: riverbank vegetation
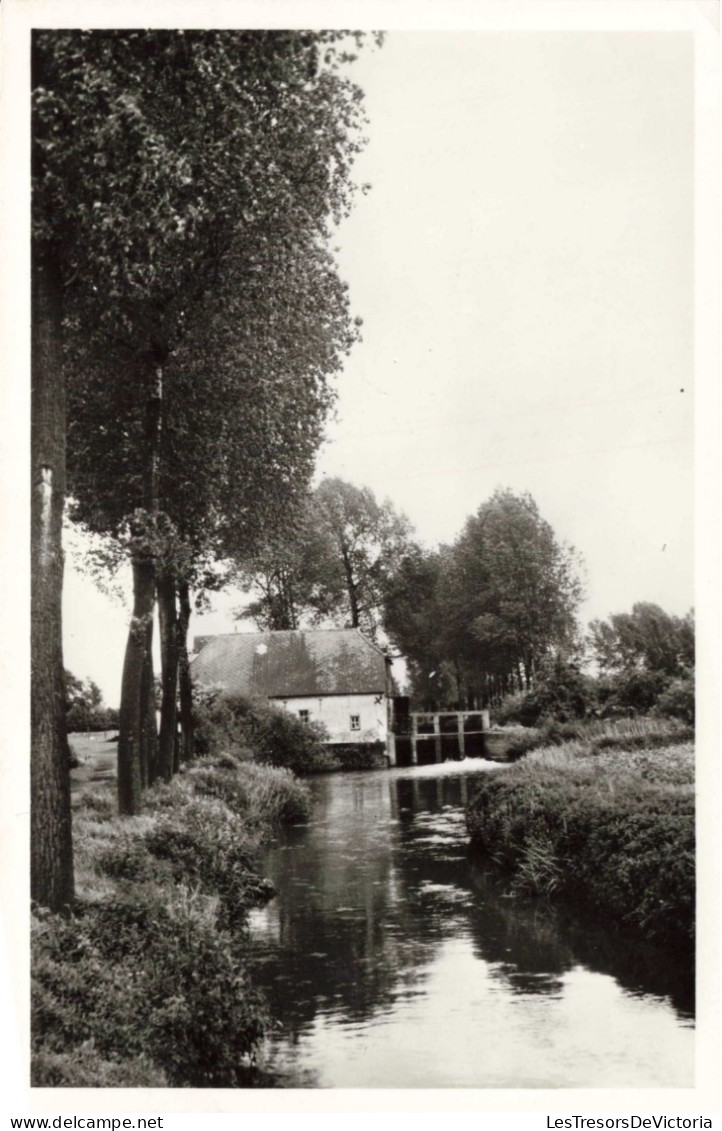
146	983
606	818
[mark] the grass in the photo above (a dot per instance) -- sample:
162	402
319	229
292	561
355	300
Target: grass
642	732
146	984
606	818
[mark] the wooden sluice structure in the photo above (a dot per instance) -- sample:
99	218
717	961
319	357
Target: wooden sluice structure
422	738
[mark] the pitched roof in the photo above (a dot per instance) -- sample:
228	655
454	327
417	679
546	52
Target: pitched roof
280	665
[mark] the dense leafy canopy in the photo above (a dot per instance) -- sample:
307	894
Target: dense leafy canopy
332	564
647	639
477	619
185	190
185	183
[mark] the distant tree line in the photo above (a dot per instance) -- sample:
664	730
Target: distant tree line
490	620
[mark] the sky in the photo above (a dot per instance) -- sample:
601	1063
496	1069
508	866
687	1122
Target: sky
523	265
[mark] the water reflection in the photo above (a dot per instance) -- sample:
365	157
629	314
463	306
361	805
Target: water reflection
386	931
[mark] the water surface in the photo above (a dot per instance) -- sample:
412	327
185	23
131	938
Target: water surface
392	957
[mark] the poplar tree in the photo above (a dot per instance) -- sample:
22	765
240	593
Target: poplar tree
159	159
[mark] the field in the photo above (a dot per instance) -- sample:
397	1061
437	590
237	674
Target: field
97	756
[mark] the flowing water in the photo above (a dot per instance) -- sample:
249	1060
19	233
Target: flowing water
392	957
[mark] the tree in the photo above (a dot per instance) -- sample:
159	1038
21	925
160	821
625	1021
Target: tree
51	869
331	563
185	159
513	590
85	707
480	616
367	541
293	576
413	618
646	660
646	639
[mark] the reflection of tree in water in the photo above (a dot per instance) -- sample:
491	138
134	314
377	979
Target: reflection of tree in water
341	940
530	943
381	878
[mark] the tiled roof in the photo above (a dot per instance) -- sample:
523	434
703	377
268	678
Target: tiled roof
279	665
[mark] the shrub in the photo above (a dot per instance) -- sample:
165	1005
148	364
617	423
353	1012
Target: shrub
523	740
593	735
677	700
250	729
143	985
204	850
263	796
100	802
83	1067
561	692
127	858
521	709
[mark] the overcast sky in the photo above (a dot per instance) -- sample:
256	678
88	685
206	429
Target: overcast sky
524	269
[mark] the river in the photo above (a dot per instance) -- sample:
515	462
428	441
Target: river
392	957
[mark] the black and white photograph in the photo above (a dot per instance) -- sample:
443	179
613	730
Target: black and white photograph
359	451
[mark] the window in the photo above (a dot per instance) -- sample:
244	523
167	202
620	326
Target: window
355	722
304	716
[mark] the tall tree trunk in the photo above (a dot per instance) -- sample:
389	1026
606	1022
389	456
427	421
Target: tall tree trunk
184	674
137	731
168	625
51	850
149	725
133	759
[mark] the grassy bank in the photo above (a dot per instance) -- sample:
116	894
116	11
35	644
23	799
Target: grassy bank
146	983
607	819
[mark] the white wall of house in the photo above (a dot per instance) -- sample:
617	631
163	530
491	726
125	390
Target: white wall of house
347	718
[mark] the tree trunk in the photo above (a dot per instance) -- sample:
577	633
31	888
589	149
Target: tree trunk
51	851
351	588
137	731
184	675
168	624
133	768
149	725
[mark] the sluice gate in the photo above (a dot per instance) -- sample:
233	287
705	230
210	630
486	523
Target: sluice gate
422	738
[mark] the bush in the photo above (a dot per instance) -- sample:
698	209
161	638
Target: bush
633	733
83	1067
254	730
562	693
633	692
141	982
80	718
677	700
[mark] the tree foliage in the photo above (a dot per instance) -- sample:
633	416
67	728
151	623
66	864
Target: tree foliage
478	618
647	639
338	551
185	188
646	660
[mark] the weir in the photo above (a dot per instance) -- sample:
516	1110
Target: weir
422	738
